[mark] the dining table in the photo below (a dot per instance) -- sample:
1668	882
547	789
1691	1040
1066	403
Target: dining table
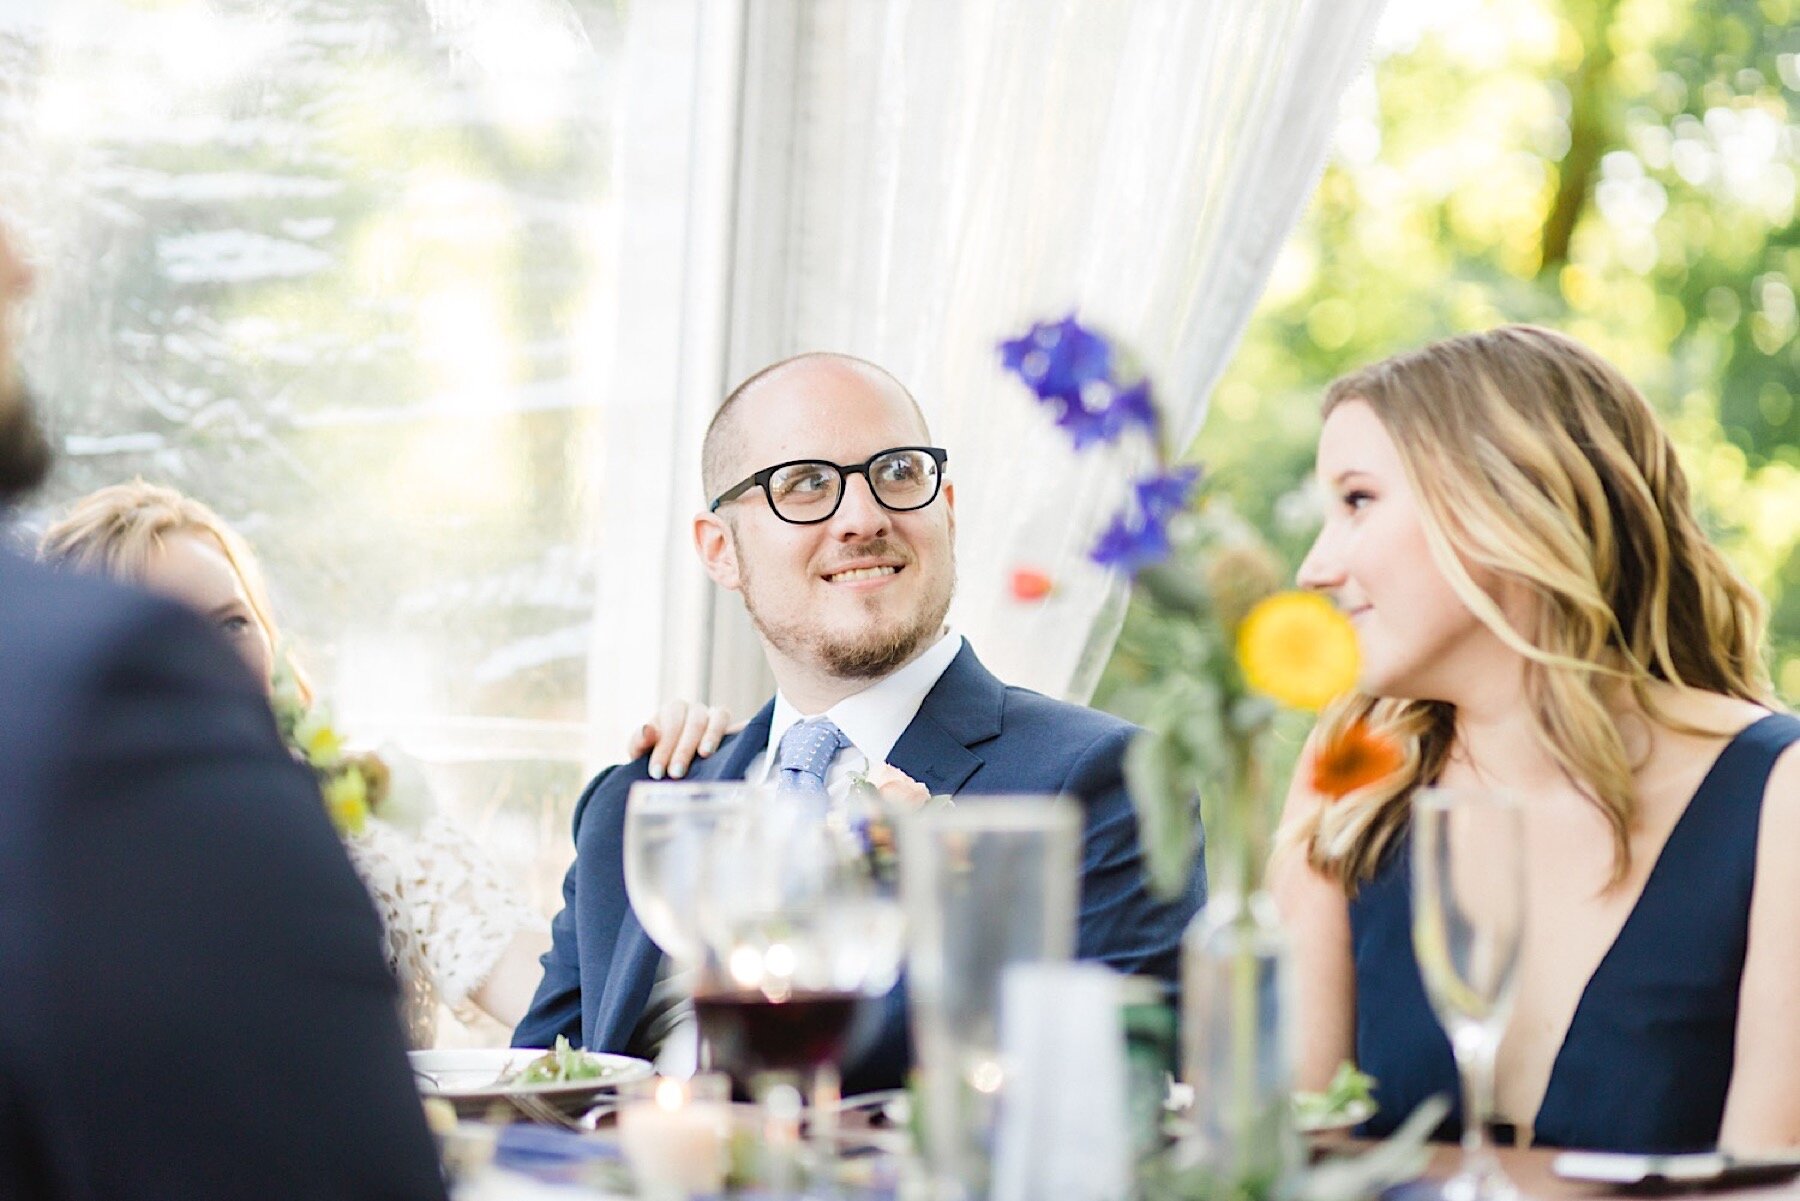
1530	1169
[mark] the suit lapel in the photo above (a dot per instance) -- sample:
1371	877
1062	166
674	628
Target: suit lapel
631	969
961	711
746	745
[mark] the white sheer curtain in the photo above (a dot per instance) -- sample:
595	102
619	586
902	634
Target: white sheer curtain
921	177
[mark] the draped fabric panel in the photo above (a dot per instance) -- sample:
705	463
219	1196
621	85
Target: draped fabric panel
944	173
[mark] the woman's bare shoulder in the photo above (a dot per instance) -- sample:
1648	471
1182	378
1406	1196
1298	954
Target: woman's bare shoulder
1298	885
1715	713
1693	725
1781	802
1673	753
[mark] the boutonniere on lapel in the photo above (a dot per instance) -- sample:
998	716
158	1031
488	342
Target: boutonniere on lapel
872	809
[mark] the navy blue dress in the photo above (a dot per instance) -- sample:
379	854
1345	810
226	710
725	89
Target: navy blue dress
1647	1058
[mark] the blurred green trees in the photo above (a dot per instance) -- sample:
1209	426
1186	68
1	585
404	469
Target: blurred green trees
1624	170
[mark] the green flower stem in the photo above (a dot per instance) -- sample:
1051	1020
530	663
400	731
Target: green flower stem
1256	1154
1243	1040
1240	833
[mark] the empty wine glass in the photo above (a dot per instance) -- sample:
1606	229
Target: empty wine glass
1468	877
667	828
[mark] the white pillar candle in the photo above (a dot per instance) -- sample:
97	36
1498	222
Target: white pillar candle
678	1144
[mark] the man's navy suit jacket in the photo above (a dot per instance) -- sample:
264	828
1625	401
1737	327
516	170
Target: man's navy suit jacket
193	998
971	735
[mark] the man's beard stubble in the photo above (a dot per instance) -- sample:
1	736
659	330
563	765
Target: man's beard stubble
876	654
24	450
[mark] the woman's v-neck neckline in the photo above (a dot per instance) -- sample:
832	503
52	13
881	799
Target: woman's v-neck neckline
1657	873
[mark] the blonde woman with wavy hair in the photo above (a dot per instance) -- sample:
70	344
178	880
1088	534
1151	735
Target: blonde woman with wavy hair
457	932
1539	611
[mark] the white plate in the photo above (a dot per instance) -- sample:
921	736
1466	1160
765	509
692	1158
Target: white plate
1181	1098
1354	1114
472	1079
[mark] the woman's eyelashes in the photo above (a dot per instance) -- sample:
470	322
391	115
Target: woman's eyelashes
1354	499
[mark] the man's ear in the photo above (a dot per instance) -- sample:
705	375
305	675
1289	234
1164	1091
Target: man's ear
717	550
950	505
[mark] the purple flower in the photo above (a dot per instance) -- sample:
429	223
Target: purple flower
1084	425
1070	368
1058	360
1160	497
1105	413
1132	543
1139	536
1133	406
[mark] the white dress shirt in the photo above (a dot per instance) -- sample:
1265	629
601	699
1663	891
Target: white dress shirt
872	719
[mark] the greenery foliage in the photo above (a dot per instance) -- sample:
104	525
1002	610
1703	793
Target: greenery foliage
1624	170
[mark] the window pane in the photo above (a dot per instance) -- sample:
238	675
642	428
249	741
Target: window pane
340	270
343	269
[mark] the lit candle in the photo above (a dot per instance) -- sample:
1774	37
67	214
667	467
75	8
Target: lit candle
676	1139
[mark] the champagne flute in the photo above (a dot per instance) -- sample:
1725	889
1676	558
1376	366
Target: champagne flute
1468	877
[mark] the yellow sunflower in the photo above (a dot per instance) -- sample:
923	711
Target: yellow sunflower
1296	648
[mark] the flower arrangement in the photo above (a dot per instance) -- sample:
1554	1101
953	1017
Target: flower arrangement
1214	655
355	786
1216	649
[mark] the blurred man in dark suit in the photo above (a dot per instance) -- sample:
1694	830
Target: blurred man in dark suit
193	1001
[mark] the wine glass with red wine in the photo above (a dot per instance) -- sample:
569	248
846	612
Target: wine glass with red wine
799	928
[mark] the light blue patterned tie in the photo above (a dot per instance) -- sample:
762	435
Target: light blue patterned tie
805	753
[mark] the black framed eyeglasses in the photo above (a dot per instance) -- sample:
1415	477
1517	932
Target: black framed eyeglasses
806	491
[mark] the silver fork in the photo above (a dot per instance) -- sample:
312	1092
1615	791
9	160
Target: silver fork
539	1110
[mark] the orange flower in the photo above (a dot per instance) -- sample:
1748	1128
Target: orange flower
1355	759
1029	584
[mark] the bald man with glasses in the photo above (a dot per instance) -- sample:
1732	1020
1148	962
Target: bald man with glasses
833	518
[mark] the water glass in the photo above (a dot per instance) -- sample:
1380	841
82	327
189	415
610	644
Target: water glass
987	883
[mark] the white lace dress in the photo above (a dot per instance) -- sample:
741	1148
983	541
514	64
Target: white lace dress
447	911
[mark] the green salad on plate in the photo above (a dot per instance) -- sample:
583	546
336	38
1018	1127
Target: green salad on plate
562	1064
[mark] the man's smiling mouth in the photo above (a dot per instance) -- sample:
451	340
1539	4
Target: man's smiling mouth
857	574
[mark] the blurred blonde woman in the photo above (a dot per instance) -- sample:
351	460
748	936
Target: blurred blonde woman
457	932
1540	612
